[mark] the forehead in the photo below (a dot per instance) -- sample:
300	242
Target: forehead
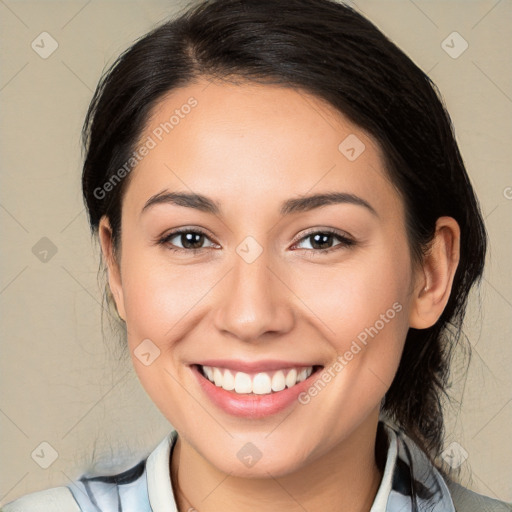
252	145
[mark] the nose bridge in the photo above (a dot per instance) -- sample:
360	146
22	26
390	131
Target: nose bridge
252	301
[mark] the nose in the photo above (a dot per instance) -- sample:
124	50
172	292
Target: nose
254	301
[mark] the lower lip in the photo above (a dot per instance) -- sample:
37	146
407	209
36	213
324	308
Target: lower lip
251	405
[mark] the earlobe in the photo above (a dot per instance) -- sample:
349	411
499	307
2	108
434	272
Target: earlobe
435	277
113	269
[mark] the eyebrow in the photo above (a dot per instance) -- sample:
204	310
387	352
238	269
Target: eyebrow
307	203
188	200
288	207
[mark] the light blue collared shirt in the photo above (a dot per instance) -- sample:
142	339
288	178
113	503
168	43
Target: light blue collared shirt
410	483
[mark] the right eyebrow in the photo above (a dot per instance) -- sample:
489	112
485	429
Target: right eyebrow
188	200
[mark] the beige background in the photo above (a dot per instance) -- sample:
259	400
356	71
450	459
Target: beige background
60	383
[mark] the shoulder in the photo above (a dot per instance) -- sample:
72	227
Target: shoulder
466	500
107	493
435	491
127	490
56	499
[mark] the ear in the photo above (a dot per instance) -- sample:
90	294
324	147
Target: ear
113	268
435	277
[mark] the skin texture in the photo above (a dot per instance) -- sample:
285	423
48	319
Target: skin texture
250	147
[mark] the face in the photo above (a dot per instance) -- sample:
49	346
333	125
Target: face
262	282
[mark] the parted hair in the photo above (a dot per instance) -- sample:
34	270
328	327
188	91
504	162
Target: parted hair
328	49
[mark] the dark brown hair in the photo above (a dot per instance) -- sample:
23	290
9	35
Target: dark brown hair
328	49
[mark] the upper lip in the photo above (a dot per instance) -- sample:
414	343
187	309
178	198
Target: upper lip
266	365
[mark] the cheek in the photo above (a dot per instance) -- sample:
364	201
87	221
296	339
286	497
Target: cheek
362	310
352	296
159	297
159	300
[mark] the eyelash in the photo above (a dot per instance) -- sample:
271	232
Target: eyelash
344	241
166	238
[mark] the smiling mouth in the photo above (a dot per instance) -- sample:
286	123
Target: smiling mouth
260	383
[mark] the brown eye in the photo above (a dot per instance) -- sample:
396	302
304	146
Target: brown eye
322	241
191	240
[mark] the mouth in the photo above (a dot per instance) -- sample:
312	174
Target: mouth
256	383
253	393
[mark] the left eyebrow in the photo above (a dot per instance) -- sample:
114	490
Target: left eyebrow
307	203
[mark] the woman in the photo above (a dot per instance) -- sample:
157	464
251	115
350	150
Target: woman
291	237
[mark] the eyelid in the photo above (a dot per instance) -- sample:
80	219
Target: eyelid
346	240
164	239
338	232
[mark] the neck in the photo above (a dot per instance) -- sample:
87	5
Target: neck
345	478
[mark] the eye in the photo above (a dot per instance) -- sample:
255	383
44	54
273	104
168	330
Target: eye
321	241
192	240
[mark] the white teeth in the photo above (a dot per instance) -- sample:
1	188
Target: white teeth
291	378
217	377
209	372
278	381
243	383
260	384
303	375
229	381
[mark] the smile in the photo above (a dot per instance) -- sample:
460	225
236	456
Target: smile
261	383
253	390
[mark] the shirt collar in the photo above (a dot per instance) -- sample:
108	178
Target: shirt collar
385	487
158	475
410	483
416	485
